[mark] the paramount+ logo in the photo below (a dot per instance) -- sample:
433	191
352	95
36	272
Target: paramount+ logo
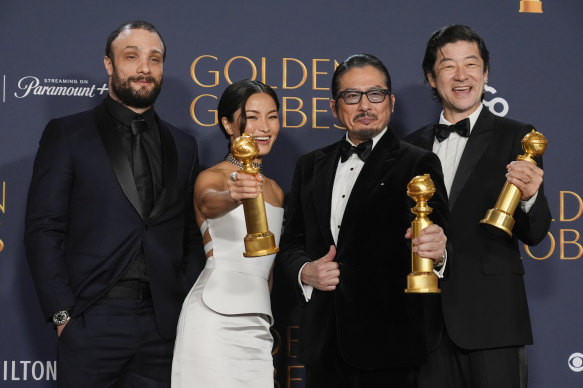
576	362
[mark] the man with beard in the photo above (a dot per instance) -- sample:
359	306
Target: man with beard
110	231
345	243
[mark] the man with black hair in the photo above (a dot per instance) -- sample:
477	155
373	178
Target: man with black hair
484	299
344	246
110	233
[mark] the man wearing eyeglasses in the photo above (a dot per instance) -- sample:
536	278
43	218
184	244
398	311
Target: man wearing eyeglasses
345	244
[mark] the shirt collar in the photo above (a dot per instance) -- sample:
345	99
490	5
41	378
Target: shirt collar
125	115
473	117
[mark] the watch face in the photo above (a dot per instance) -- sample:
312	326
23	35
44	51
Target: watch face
60	318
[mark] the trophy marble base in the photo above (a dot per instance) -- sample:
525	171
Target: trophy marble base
498	222
422	283
260	244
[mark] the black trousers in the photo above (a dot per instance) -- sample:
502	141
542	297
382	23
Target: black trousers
115	343
336	373
323	377
452	367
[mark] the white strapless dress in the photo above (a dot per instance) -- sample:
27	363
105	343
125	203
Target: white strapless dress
223	338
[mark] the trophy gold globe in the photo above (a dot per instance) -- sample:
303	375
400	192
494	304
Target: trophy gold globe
259	241
500	220
422	279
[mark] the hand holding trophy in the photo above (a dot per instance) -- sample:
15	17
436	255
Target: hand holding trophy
421	279
500	218
259	241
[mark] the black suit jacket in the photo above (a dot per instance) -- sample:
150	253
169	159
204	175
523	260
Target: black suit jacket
484	299
84	222
375	324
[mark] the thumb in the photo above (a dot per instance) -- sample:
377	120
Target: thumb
330	255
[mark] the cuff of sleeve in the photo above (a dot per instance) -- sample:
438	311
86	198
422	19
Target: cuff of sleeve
526	205
306	290
439	268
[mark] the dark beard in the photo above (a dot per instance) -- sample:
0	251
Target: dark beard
364	134
123	90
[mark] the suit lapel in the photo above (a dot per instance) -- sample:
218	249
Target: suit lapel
377	166
478	141
426	138
117	156
169	171
325	163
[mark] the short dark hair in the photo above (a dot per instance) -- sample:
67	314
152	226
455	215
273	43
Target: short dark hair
358	60
235	97
451	34
133	25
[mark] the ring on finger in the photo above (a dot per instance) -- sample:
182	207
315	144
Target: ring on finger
234	176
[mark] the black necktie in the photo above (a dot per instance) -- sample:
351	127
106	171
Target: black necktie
141	166
362	150
442	131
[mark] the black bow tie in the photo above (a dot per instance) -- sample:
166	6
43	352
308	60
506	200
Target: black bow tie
442	131
362	150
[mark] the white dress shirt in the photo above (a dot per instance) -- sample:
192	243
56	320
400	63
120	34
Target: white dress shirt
450	152
346	174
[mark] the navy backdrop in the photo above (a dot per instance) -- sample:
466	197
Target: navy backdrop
535	76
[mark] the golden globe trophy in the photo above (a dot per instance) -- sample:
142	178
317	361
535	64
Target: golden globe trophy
421	279
500	218
259	241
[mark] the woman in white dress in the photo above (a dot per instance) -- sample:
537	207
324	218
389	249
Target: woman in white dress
223	337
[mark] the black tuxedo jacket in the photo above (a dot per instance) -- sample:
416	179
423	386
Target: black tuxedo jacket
84	221
374	323
484	300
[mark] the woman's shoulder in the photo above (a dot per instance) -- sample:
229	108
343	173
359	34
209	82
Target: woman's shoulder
216	173
275	192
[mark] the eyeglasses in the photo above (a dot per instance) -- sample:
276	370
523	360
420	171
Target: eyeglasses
374	95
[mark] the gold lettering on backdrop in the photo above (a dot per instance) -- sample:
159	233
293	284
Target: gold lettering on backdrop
3	204
315	110
228	65
315	72
193	111
549	253
291	339
276	341
285	73
210	71
213	72
567	242
568	239
291	379
298	110
562	206
263	71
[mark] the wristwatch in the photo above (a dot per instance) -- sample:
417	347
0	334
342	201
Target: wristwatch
61	317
